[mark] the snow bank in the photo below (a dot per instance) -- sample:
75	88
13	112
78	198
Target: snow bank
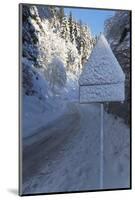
38	113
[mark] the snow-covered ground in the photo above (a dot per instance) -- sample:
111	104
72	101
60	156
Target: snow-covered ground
38	113
65	155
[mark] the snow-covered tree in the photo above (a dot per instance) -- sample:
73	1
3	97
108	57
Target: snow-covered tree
65	31
71	28
87	42
56	73
50	36
61	14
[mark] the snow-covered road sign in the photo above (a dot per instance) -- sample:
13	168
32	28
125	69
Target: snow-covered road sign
102	79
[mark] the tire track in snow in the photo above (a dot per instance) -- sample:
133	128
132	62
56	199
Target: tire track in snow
48	147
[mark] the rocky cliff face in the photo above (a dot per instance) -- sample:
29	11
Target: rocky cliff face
117	31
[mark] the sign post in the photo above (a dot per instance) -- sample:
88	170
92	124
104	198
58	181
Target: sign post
101	144
102	80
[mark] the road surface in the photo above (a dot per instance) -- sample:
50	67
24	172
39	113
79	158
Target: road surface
65	155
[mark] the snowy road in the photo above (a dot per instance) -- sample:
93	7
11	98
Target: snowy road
66	154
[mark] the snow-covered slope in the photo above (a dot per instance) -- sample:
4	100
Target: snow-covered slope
51	62
36	113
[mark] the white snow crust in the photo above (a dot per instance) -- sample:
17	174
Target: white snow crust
102	93
102	66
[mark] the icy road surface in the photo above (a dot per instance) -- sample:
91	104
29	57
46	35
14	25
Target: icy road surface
65	155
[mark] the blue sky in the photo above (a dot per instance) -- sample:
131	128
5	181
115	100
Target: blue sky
92	17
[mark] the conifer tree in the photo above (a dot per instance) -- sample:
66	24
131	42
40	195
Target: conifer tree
65	32
71	27
61	14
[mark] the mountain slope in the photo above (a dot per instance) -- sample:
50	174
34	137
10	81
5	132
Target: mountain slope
51	62
117	31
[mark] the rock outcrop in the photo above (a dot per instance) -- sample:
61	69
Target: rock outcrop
117	30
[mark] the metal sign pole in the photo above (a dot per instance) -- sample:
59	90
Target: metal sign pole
101	146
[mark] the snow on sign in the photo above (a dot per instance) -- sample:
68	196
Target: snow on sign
102	79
